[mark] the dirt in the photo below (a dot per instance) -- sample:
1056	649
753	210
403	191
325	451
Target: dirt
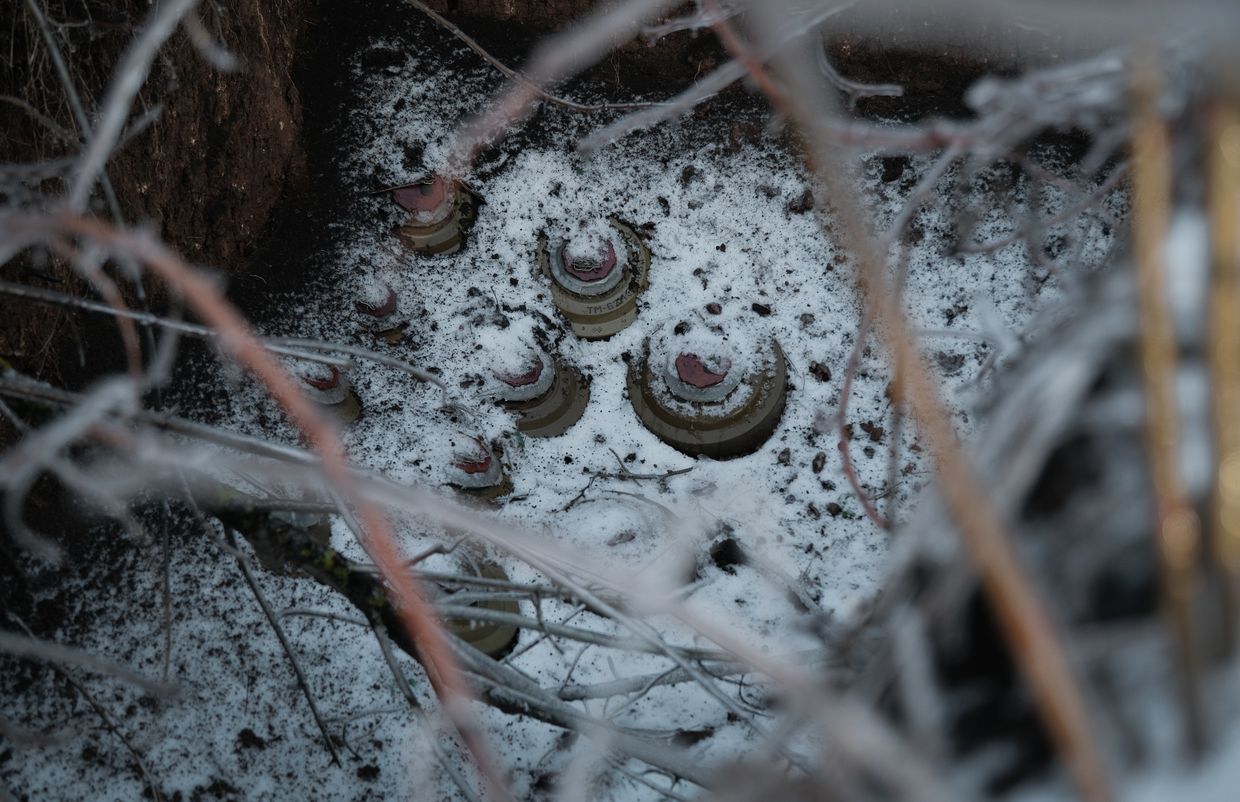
212	170
219	158
236	172
934	78
206	173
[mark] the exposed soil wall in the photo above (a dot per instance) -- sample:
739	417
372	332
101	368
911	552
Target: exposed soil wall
206	173
218	159
934	77
222	173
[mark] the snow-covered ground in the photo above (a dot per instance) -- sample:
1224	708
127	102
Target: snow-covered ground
725	225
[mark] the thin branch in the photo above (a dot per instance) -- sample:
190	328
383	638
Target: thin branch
58	131
467	613
696	21
512	687
55	653
1111	183
555	59
744	56
854	89
1178	529
842	426
1021	613
402	684
216	54
127	80
1224	348
274	620
111	726
516	75
379	539
714	83
297	347
71	94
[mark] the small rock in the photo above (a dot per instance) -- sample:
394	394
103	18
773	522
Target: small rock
727	554
807	318
368	772
785	457
248	739
762	309
705	489
813	511
665	206
802	204
875	431
689	174
820	371
834	510
820	462
893	168
622	537
681	328
714	308
915	234
743	134
686	738
950	364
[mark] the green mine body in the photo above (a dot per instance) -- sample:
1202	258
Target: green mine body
712	429
440	213
394	335
333	393
552	413
488	637
494	492
348	410
598	315
484	479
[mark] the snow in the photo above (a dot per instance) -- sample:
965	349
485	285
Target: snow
512	352
721	228
587	242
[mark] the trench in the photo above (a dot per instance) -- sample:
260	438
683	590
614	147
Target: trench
721	202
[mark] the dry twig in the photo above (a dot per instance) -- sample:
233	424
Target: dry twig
379	540
1019	609
1178	530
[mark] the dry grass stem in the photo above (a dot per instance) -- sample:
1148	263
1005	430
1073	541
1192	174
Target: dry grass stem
379	540
1224	344
1177	528
1021	613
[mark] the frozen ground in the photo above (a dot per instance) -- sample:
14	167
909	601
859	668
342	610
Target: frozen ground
726	225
